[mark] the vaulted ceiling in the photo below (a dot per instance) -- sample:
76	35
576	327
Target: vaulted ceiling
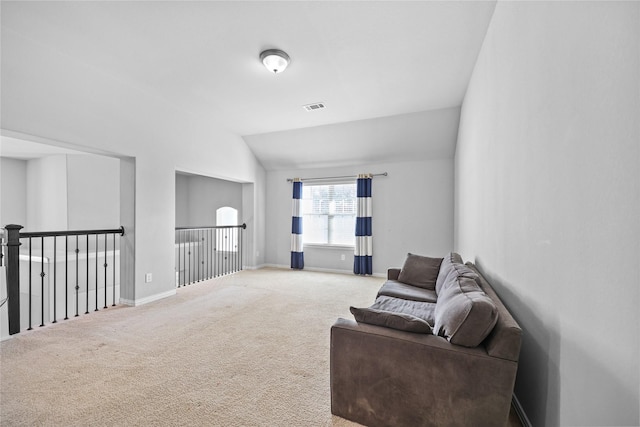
389	72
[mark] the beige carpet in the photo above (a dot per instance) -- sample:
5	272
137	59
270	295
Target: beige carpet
251	349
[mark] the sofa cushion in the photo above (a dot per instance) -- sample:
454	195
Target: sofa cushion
389	319
423	310
464	314
393	288
420	271
446	266
383	309
459	270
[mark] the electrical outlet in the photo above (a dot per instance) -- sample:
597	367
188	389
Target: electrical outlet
342	257
148	277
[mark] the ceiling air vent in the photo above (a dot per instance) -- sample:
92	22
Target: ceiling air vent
314	107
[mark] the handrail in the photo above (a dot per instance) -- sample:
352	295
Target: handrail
73	232
205	252
13	236
243	226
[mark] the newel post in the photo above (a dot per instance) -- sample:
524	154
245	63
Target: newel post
13	277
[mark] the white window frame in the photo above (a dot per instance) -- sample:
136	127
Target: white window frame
330	245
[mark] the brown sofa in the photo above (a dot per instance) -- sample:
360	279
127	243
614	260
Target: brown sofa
383	376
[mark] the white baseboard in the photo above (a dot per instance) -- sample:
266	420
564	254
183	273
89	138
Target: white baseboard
146	300
520	412
254	267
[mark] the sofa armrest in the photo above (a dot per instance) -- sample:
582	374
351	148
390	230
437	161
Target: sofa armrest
393	273
384	377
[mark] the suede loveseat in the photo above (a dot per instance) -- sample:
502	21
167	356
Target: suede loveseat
437	348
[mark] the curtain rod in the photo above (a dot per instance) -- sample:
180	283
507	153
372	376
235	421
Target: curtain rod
335	177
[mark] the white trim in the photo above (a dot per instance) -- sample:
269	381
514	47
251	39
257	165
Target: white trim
254	267
329	270
8	337
520	412
146	300
329	246
81	149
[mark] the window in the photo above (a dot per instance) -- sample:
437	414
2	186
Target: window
329	214
227	238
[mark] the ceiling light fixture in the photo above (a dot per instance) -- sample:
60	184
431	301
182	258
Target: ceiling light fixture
275	60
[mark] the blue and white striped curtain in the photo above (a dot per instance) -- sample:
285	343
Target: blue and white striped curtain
297	255
364	246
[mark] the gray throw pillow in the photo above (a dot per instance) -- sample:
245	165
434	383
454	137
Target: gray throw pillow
420	271
464	314
446	267
400	321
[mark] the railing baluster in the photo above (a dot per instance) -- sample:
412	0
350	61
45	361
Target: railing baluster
184	258
97	245
66	277
55	268
177	250
199	252
113	279
216	254
41	281
227	252
77	279
30	274
105	271
204	255
87	286
223	251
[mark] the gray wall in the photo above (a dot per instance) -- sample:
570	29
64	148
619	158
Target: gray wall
93	192
198	198
61	192
47	194
547	200
412	212
13	200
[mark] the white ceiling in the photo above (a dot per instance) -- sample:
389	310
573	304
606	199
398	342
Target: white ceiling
382	60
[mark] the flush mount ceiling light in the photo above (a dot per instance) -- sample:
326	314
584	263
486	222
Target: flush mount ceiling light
275	60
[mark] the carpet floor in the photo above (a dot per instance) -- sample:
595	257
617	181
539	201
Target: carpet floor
249	349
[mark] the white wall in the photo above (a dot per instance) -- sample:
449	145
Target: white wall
182	200
13	191
47	194
93	192
412	212
548	200
254	203
199	197
61	192
47	93
13	210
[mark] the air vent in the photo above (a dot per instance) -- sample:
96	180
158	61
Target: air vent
314	107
